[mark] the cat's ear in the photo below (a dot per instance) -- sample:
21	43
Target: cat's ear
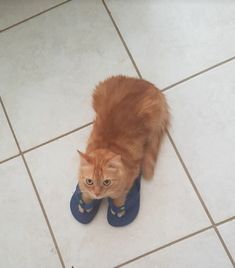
115	162
84	158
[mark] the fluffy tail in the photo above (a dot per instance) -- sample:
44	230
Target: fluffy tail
152	145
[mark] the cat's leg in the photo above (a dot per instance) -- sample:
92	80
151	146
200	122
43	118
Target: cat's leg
119	202
86	199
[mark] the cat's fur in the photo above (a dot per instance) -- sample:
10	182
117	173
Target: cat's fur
131	118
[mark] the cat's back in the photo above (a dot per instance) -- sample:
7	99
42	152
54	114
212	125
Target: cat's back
123	93
124	104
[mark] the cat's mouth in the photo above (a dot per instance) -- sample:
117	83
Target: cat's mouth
97	196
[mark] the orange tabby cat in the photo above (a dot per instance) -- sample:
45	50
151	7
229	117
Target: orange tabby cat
131	118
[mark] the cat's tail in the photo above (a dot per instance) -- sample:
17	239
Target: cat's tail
153	143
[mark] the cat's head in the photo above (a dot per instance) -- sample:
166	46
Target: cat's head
101	174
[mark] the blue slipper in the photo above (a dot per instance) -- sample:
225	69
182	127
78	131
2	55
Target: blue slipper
121	216
82	212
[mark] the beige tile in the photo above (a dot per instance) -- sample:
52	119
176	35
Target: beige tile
171	40
14	11
169	207
227	231
203	129
50	65
8	146
25	238
203	250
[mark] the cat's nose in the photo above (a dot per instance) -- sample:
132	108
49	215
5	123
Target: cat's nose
97	191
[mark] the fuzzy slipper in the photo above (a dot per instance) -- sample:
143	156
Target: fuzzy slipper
121	216
82	212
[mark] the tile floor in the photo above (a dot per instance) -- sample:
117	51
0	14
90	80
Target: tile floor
52	53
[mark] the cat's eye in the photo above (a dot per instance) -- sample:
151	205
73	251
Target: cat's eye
89	182
107	182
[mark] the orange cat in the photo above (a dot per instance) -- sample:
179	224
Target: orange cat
131	118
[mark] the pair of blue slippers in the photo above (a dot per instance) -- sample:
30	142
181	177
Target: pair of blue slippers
117	216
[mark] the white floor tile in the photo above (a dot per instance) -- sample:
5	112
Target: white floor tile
169	207
25	239
60	56
8	146
203	122
14	11
203	250
227	231
171	40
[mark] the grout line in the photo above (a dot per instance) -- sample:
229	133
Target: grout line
36	15
214	226
8	159
190	178
47	142
44	213
170	138
137	69
200	198
122	40
57	138
225	221
165	246
224	245
34	187
9	123
199	73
